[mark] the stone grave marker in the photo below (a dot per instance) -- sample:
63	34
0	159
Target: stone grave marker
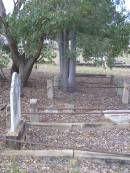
51	109
119	90
56	81
33	110
125	96
15	104
50	93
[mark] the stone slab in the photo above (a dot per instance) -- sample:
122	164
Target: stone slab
16	135
97	155
39	153
118	116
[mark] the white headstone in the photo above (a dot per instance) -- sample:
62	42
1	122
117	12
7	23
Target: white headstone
15	104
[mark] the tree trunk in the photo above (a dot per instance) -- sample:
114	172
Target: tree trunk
25	69
61	53
72	64
65	61
14	68
72	71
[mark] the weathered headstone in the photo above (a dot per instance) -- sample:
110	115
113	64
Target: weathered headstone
14	123
50	93
15	104
112	79
119	88
33	110
125	96
51	109
56	81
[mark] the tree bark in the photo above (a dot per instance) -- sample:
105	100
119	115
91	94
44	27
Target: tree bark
65	62
61	53
72	64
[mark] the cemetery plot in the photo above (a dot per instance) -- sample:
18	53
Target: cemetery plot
113	139
77	108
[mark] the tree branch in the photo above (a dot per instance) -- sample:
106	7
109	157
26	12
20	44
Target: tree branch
17	5
11	42
2	9
39	49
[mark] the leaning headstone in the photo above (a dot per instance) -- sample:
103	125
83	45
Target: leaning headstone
15	104
33	110
16	126
125	96
50	93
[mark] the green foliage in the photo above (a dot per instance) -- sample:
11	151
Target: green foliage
4	59
101	29
14	168
106	33
48	54
70	54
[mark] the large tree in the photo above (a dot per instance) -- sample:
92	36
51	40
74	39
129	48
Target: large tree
101	31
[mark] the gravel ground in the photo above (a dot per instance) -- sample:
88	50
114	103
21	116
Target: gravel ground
107	139
58	165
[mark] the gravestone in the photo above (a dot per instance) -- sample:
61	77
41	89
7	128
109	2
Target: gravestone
15	104
119	88
34	110
112	80
13	114
56	81
50	93
125	96
51	109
